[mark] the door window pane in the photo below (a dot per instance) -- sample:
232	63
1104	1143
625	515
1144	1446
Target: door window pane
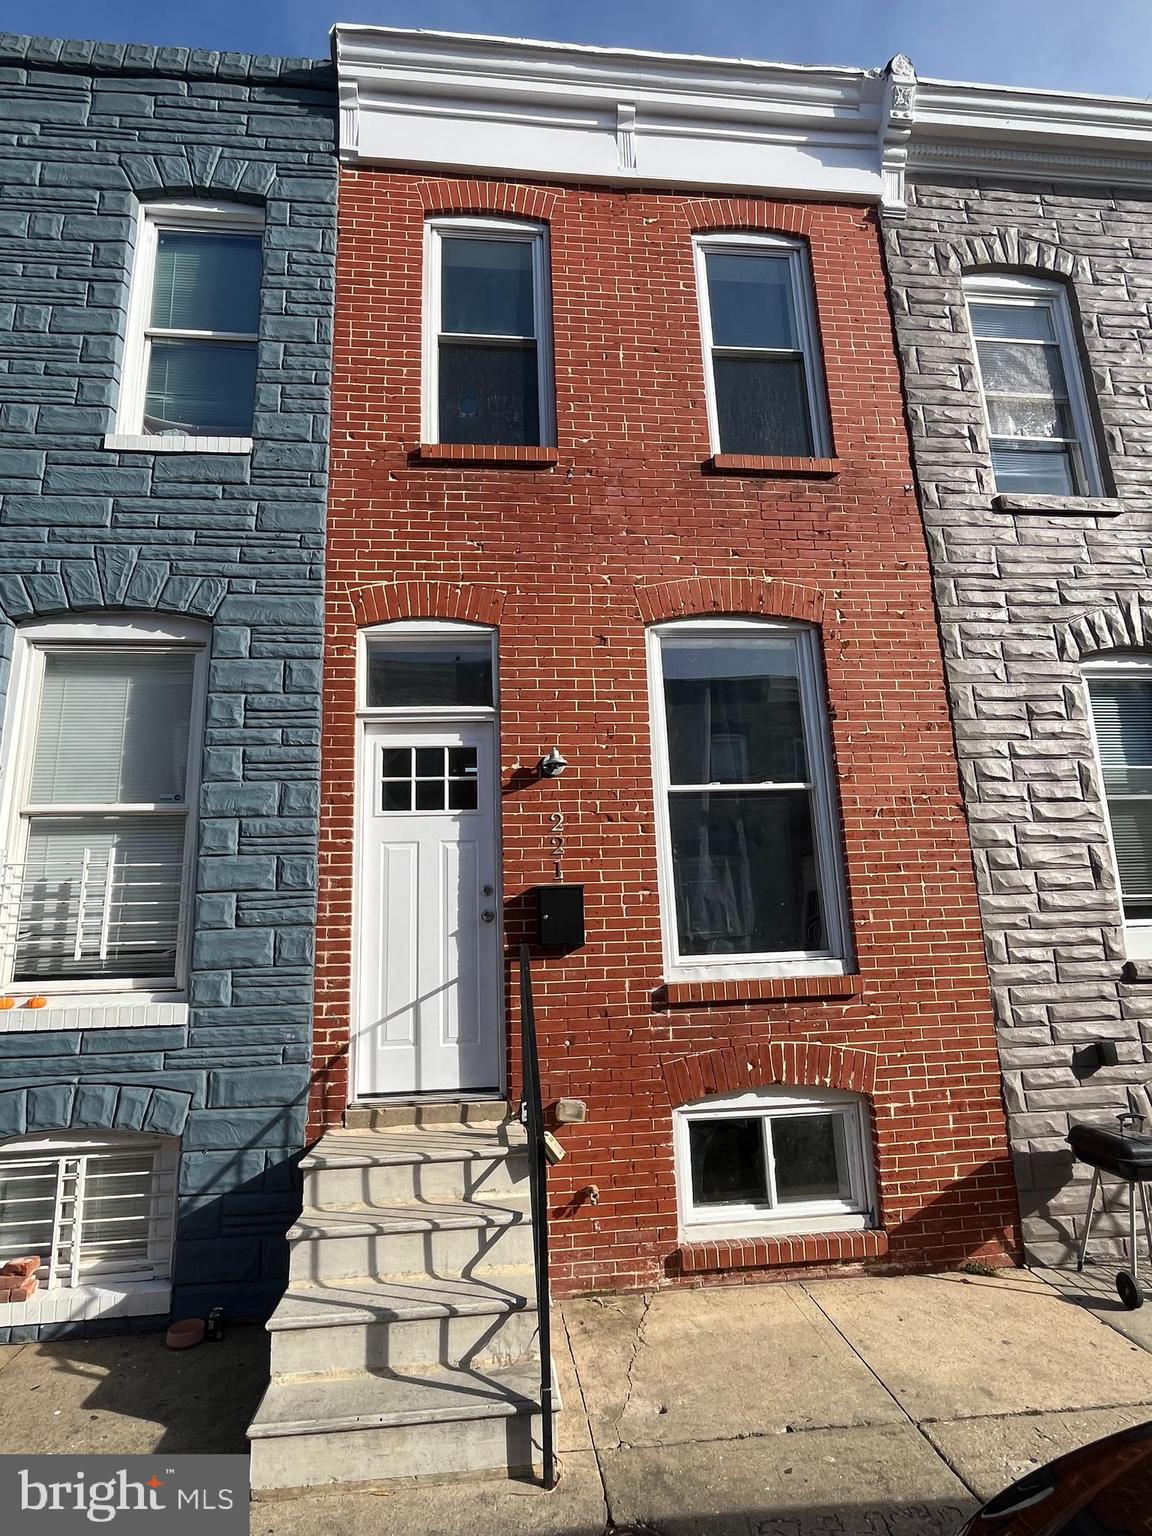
750	299
810	1158
745	874
206	282
728	1161
733	711
489	394
486	287
200	388
762	405
430	673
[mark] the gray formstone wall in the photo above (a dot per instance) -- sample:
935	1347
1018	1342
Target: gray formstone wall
86	131
1023	598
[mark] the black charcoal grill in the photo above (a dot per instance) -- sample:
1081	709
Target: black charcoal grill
1126	1154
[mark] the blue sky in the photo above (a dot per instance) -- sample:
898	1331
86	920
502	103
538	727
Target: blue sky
1089	45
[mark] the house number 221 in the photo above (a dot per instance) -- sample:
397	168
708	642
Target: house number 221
556	842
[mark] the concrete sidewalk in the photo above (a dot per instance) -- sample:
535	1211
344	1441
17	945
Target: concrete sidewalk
863	1407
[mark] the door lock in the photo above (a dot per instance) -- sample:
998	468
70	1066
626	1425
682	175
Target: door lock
488	890
487	916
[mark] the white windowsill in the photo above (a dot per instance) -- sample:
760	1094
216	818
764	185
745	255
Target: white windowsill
132	1298
749	1231
140	442
759	970
109	1010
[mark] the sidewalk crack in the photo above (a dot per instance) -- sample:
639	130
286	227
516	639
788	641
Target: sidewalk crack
646	1300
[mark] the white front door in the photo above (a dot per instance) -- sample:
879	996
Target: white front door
428	963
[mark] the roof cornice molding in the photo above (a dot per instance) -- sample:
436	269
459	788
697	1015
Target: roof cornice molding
486	105
1027	133
451	102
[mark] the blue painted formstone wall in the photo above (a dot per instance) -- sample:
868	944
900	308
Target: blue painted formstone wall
87	130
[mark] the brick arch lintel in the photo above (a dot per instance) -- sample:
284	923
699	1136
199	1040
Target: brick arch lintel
463	601
517	200
1007	249
737	1069
736	213
93	1107
1123	625
700	596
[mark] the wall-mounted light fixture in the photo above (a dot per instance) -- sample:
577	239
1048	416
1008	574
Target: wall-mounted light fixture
552	766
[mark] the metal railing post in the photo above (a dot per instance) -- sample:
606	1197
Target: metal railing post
532	1113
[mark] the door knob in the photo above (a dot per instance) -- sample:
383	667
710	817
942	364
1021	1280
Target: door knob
487	916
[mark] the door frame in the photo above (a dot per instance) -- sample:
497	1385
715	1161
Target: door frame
413	718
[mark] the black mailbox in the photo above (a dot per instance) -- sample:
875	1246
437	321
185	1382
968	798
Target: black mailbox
560	915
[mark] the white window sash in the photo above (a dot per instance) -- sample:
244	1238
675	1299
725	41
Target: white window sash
834	959
195	218
1137	930
1012	292
807	332
17	810
436	231
854	1212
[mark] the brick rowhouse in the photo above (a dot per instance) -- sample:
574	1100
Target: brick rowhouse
571	552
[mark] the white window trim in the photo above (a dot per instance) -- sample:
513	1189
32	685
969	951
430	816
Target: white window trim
808	333
1038	293
436	231
110	1295
700	1224
199	216
423	629
33	640
1138	930
835	960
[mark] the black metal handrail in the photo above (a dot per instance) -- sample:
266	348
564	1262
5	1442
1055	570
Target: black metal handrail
532	1114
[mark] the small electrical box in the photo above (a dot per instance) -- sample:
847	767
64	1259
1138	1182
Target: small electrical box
560	916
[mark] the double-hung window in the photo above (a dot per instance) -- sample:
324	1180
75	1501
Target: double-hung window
98	1211
776	1159
1039	428
749	860
189	374
103	757
761	355
487	341
1120	694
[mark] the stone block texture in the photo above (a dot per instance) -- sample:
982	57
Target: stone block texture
1023	597
571	560
87	131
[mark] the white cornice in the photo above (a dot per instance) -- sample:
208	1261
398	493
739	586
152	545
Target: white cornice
1021	132
508	106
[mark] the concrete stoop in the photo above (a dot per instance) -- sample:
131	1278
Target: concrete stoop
406	1344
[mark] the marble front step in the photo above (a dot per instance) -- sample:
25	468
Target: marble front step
447	1238
381	1167
363	1324
415	1113
437	1422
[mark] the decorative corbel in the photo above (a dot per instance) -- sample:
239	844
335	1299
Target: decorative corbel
349	117
626	136
898	112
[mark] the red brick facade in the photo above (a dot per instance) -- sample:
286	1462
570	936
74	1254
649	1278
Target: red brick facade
571	554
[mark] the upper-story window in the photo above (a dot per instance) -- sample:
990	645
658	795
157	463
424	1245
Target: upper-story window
487	351
1039	428
1120	694
749	862
103	746
189	371
761	354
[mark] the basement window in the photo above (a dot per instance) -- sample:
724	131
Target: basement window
772	1162
99	1212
